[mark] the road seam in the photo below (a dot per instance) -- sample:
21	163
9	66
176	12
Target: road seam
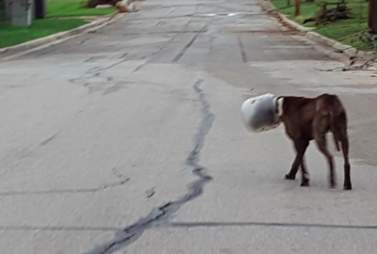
268	224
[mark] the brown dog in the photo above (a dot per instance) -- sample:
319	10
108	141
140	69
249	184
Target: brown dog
311	118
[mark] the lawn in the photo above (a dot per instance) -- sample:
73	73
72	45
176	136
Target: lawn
12	35
347	31
69	8
62	15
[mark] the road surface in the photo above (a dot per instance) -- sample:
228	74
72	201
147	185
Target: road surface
129	140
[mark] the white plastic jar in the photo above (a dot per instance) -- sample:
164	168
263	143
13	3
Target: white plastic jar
260	113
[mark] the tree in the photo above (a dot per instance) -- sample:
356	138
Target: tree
6	5
372	19
94	3
297	8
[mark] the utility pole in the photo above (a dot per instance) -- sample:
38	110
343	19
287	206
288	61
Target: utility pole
372	19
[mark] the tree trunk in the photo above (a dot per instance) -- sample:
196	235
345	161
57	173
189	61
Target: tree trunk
298	7
372	19
94	3
7	4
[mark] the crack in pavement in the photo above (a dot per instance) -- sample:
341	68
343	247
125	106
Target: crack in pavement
188	45
163	47
242	50
163	213
96	72
49	139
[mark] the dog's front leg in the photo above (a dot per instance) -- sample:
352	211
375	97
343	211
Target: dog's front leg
300	147
305	174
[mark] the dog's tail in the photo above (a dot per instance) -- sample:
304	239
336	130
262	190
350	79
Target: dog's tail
335	131
336	113
332	107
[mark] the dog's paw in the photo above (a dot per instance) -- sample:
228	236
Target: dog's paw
305	183
347	187
289	177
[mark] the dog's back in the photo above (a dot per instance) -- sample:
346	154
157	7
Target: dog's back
299	112
333	116
297	115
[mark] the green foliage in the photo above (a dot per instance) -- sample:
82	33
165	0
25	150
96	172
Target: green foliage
62	15
69	8
11	35
348	31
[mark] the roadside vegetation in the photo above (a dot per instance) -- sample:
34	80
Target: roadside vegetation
74	8
352	30
62	15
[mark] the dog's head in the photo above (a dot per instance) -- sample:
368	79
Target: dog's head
262	113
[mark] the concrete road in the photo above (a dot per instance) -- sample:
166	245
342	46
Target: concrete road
129	140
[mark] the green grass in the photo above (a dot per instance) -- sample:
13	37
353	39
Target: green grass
346	31
73	8
12	35
62	15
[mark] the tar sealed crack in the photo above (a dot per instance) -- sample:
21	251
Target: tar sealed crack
162	214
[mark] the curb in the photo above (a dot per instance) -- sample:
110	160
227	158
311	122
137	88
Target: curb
339	48
11	52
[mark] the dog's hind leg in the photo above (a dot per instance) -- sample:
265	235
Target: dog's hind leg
300	146
320	139
347	167
342	136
